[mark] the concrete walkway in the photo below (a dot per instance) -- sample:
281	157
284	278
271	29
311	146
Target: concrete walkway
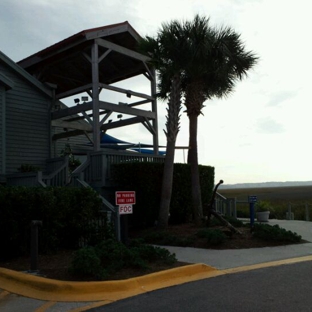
231	258
24	292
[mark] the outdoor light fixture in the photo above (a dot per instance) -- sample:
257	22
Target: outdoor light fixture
119	116
76	101
128	94
110	120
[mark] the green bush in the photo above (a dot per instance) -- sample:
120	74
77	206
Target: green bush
86	262
28	168
110	256
152	254
213	236
167	239
67	216
275	233
263	205
233	221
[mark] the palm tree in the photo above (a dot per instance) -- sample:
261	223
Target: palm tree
162	51
217	60
209	61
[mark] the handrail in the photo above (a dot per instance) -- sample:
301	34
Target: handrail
104	201
220	196
62	169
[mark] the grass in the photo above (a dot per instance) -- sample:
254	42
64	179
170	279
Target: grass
299	198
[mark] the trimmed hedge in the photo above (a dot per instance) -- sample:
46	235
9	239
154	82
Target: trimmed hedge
146	179
66	215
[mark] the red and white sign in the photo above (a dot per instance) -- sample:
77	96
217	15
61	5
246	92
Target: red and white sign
125	197
125	209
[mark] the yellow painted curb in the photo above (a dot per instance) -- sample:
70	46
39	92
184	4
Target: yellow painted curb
54	290
267	264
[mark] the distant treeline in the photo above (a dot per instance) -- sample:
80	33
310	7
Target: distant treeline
265	184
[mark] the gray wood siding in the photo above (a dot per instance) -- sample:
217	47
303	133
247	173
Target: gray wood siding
27	123
2	94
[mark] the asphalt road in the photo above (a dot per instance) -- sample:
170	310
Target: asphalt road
282	288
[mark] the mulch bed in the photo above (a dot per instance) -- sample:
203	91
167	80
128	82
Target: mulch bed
56	266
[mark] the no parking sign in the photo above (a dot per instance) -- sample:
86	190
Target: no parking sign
125	200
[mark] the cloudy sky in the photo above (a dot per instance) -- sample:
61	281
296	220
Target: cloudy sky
262	131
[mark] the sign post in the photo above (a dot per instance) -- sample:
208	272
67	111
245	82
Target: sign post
252	199
124	200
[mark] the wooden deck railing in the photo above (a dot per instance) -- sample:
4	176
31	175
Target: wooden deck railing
97	167
225	206
25	179
57	175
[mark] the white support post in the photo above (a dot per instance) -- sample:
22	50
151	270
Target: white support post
95	97
289	215
118	224
307	214
154	109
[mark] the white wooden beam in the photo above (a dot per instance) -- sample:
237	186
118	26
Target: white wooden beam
67	134
122	123
105	117
125	109
122	50
84	88
146	123
130	92
71	110
72	125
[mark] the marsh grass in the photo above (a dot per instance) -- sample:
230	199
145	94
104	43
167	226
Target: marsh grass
298	198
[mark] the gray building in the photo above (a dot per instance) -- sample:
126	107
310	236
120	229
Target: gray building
25	125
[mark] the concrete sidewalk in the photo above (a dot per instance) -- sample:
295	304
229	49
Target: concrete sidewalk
232	258
24	292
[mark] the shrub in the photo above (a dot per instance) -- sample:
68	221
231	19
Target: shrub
111	256
28	168
213	236
67	216
167	239
263	206
275	233
233	221
86	262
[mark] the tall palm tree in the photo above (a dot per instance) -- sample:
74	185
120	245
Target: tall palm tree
209	61
216	61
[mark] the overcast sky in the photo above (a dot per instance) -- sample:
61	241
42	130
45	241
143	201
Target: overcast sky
262	131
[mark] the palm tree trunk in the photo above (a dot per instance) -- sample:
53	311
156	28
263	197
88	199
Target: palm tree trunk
193	159
166	189
173	126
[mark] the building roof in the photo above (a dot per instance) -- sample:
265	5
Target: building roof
9	84
67	63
